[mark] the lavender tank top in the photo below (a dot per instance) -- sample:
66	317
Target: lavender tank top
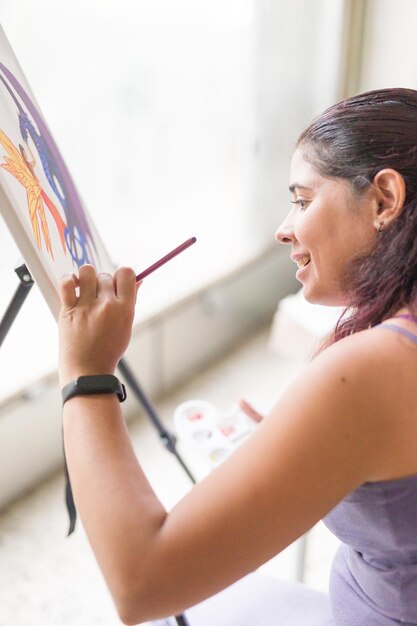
373	580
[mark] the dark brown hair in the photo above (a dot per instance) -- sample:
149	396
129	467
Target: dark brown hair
354	140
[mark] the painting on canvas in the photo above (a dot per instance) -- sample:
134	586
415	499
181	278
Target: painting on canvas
38	199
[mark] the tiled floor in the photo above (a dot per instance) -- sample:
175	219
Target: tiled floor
49	580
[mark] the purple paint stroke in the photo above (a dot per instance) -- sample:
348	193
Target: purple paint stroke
74	200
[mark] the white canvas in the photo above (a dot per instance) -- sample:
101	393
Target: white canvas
38	198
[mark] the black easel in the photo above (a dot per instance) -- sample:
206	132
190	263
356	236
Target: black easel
26	283
167	438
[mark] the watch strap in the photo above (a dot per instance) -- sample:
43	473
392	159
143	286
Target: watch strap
93	385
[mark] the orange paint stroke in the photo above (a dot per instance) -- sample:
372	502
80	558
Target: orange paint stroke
16	165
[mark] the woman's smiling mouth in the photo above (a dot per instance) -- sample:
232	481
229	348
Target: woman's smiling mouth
302	261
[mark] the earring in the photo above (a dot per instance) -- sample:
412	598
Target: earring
381	227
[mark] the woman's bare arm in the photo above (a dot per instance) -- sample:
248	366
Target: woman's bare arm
318	444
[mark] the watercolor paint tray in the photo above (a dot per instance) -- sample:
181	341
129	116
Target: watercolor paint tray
211	433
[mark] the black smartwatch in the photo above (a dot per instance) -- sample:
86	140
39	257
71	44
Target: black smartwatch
91	385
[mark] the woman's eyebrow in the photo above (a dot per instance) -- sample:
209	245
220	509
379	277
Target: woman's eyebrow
295	186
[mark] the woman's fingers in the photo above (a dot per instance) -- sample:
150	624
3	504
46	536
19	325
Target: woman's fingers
88	283
67	291
93	285
125	284
105	285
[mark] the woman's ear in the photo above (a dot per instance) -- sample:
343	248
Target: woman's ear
390	192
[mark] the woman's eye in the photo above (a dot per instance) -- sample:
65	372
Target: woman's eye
301	203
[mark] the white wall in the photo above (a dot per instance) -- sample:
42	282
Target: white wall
389	45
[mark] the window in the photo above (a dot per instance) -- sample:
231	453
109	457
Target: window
176	119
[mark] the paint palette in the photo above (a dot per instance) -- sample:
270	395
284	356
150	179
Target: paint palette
213	434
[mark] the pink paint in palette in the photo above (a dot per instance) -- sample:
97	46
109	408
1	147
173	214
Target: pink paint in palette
195	416
210	433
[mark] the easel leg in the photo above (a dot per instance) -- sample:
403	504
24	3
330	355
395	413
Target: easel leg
21	293
168	439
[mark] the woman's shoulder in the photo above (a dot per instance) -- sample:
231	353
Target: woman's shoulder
359	355
377	367
366	348
382	352
378	373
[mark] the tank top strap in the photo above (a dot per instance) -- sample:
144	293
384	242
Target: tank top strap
397	329
407	316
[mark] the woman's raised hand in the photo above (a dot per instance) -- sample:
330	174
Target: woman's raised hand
95	326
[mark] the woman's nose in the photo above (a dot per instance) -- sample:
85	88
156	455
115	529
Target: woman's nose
285	231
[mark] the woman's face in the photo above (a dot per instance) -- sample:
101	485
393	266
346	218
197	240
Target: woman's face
327	227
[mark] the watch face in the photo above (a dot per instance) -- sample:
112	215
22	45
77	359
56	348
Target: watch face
97	384
101	383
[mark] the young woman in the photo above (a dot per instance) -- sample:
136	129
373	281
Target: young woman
340	444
